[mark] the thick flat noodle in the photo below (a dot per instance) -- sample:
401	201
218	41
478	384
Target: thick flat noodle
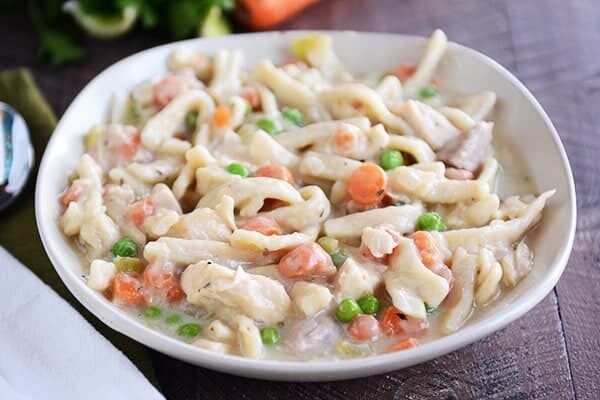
201	223
288	90
226	74
264	149
327	166
196	157
402	219
190	251
458	117
337	98
436	47
499	233
428	123
458	306
228	292
471	214
158	133
249	194
431	188
479	106
410	284
156	171
416	147
211	177
314	209
245	239
390	90
318	132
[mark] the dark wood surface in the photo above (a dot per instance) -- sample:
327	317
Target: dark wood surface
553	46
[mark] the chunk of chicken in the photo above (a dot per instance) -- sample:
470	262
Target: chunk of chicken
468	151
354	280
310	298
380	240
309	337
228	293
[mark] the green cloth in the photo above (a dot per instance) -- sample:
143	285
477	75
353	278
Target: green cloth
18	231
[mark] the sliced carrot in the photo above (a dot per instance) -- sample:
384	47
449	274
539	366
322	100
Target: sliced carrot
357	104
166	90
158	276
367	184
138	211
404	345
363	328
306	261
276	171
129	148
222	116
252	97
430	255
344	140
71	194
390	322
265	225
175	293
404	71
127	289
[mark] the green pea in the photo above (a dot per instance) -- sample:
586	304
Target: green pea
173	319
269	336
294	115
237	169
431	221
338	258
347	310
188	330
152	312
428	92
369	304
268	125
391	159
191	118
429	309
124	247
329	244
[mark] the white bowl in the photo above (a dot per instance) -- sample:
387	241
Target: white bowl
518	116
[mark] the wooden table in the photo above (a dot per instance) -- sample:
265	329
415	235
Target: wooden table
553	46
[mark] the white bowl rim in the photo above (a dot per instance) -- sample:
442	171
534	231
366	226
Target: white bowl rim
311	370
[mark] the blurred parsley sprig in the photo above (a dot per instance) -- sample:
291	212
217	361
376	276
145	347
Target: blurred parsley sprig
57	30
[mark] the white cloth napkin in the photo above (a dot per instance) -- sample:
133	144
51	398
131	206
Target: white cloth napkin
48	351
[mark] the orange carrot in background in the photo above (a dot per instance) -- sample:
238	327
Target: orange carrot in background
265	14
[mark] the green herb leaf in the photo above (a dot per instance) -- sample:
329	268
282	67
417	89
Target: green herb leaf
57	48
